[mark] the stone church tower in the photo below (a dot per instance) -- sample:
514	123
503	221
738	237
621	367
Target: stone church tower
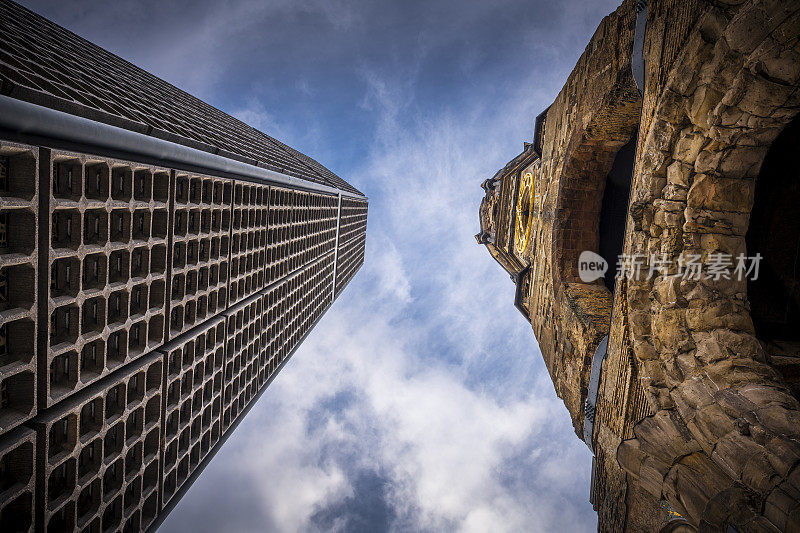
672	143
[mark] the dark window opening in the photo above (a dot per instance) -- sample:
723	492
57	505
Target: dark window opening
4	172
774	233
614	210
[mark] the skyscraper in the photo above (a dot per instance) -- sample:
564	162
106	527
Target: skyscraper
160	261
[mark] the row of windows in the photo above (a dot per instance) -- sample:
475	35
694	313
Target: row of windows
193	401
19	207
204	190
101	457
76	229
101	454
75	179
106	285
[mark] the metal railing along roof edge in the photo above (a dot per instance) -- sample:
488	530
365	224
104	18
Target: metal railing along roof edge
26	118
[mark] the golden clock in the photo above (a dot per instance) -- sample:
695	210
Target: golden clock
524	213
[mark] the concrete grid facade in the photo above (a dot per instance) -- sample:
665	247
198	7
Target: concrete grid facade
146	301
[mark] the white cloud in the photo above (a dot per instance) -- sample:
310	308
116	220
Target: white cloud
392	286
256	115
422	372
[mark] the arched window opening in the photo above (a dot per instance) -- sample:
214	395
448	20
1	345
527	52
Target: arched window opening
774	233
614	209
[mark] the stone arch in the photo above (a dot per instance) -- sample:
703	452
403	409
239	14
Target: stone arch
726	428
774	233
588	160
584	309
589	157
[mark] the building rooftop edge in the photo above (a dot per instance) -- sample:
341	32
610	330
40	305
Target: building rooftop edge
25	118
274	155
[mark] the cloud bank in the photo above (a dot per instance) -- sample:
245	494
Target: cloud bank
420	402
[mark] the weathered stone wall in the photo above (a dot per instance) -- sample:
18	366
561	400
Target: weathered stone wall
593	116
570	317
722	446
689	410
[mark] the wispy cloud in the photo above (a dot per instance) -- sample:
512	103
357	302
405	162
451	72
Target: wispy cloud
421	401
255	114
422	391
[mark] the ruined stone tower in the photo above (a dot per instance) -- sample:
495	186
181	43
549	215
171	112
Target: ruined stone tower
672	144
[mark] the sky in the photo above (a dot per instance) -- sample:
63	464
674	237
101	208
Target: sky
420	402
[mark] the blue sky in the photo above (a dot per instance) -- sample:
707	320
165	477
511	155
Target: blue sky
421	401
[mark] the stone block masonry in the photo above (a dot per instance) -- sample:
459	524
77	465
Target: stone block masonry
694	423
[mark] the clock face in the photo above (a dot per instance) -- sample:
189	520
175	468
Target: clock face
524	213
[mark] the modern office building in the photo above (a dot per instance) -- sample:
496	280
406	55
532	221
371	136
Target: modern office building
673	144
160	261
